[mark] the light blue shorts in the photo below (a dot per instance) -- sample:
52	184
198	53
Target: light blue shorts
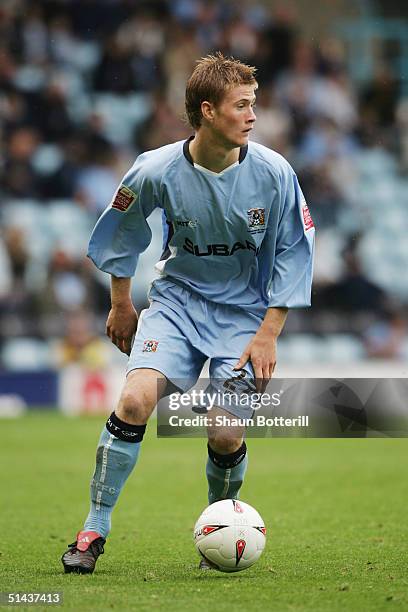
181	330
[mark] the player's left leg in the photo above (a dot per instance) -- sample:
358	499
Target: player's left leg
227	452
226	463
225	332
227	458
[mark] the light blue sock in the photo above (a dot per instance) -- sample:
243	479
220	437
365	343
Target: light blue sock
115	459
225	482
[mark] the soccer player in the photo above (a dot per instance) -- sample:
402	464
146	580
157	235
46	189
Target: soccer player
237	254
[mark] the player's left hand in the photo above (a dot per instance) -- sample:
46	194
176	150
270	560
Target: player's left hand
261	352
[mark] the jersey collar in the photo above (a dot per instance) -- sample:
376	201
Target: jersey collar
242	153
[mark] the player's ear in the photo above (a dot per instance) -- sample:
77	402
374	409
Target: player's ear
207	111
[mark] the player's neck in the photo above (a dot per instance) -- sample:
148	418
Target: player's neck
208	152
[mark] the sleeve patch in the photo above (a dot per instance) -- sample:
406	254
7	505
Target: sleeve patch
307	217
123	199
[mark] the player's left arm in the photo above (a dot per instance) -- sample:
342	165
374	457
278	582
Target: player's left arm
291	278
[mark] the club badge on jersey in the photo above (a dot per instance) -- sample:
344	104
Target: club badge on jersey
256	220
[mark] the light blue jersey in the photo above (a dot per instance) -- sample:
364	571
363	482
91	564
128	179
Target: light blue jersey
243	237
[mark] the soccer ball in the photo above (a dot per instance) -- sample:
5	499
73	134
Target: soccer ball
230	535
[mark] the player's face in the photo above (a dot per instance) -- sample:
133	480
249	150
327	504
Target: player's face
234	117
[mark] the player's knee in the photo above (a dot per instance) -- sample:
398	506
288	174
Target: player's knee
135	408
224	444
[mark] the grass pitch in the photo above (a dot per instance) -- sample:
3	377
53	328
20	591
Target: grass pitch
336	513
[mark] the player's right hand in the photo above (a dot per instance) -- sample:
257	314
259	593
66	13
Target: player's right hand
121	326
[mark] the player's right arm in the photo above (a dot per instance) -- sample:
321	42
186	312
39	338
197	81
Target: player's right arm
120	235
122	320
122	231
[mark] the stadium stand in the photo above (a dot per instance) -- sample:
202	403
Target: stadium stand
86	86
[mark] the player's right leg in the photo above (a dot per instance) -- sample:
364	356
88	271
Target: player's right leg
166	348
116	456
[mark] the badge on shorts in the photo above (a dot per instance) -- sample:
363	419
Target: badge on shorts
256	219
150	346
123	199
307	217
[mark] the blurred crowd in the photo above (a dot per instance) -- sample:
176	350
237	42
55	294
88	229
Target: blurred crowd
86	85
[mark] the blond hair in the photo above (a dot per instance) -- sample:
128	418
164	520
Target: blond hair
212	77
